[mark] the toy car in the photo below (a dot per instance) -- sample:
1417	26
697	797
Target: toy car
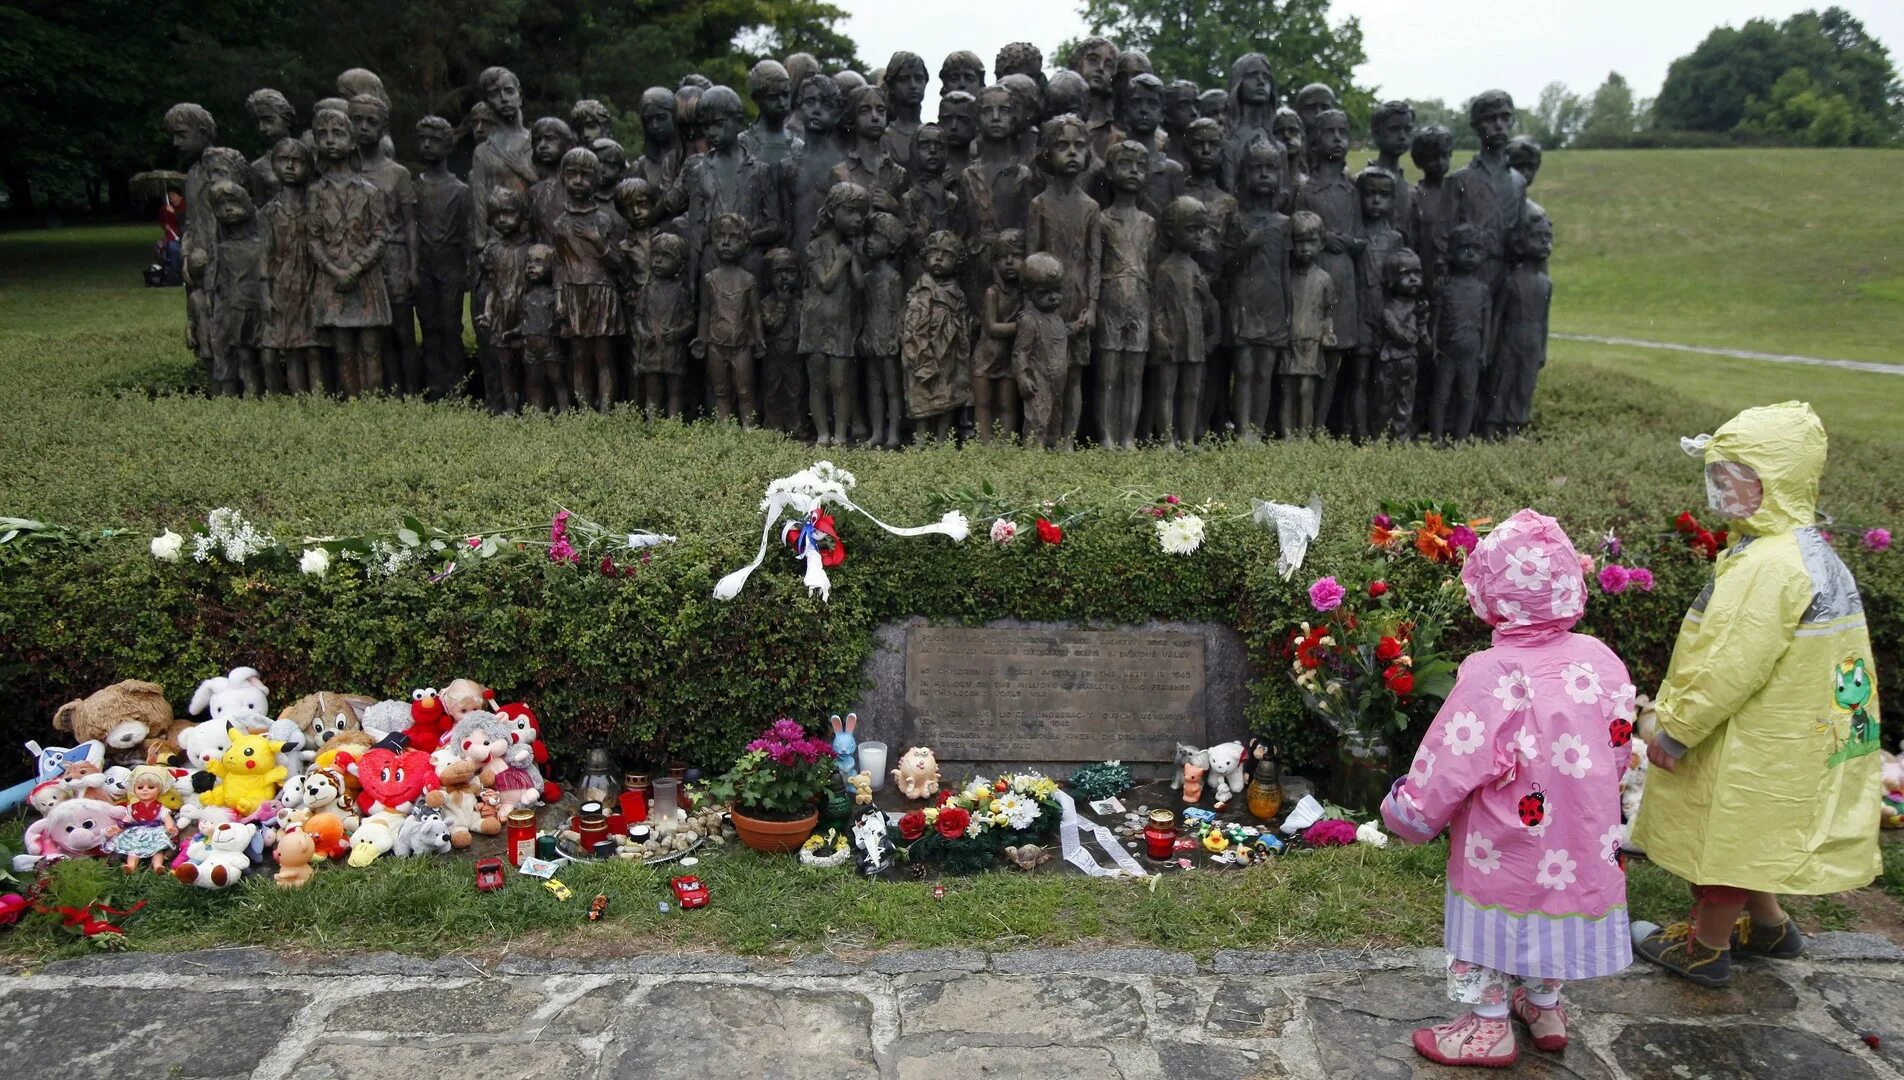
690	892
488	875
557	889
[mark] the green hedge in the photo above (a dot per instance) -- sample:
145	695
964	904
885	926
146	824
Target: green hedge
651	664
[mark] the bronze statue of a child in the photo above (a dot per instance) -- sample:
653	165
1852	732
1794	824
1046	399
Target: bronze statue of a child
238	296
995	190
1140	114
1041	349
1432	151
635	202
1256	287
549	140
769	139
660	160
1185	322
1063	222
664	321
288	338
904	84
809	176
727	179
586	236
275	118
1331	195
192	131
936	339
928	204
505	272
442	258
958	117
730	338
1520	326
1312	300
994	386
1376	189
1123	314
370	119
1464	314
868	161
349	228
544	385
1404	337
783	384
829	313
882	296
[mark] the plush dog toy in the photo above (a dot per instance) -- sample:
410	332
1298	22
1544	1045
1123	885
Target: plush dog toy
423	833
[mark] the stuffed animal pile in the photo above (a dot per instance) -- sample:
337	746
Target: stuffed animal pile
334	777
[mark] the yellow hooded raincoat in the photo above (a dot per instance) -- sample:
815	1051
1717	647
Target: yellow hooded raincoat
1771	698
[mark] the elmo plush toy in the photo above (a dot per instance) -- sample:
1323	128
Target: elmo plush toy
525	731
429	721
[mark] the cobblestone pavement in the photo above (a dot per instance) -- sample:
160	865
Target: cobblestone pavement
1050	1015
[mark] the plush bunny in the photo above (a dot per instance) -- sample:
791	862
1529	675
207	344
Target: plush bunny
845	745
240	691
1226	768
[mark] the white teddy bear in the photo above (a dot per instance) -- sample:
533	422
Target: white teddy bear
1226	769
218	858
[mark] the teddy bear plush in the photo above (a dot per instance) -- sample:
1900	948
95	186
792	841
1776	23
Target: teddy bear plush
162	747
1226	768
123	716
217	857
224	696
467	805
294	853
248	773
73	828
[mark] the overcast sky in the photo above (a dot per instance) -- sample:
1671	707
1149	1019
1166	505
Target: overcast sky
1448	49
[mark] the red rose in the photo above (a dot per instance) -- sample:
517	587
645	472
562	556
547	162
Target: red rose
944	797
952	822
1378	589
1049	533
912	825
1686	523
1387	649
1399	679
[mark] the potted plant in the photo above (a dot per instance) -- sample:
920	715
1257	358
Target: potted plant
774	787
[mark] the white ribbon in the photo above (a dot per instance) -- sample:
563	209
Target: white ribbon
639	540
1695	446
1073	848
1295	526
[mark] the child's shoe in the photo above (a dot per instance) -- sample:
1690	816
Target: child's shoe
1678	951
1773	942
1547	1026
1469	1040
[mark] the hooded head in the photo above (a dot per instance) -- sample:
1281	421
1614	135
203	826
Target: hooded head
1525	579
1763	467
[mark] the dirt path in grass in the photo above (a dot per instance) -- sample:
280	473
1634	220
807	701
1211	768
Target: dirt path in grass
1743	354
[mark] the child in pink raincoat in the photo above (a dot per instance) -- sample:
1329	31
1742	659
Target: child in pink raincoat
1522	766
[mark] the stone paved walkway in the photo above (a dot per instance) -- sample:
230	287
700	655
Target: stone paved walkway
942	1015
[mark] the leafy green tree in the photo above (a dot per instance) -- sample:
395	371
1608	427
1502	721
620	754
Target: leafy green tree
1716	86
1198	39
1557	116
1611	113
1453	117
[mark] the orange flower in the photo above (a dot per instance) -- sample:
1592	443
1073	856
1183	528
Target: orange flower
1380	537
1431	546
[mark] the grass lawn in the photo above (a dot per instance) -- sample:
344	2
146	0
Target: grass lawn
1780	251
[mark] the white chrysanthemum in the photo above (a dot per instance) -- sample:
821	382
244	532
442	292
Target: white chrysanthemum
1570	756
1514	691
1180	535
1528	567
1003	530
1481	854
1019	812
315	561
1568	600
1556	871
167	546
1582	682
1463	733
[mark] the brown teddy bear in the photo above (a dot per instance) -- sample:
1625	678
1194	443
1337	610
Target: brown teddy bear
123	716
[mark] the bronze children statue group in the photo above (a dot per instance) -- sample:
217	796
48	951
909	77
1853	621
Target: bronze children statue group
1097	256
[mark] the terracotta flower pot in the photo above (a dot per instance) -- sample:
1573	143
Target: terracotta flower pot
774	837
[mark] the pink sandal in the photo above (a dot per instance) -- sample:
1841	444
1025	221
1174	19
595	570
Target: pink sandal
1547	1026
1469	1040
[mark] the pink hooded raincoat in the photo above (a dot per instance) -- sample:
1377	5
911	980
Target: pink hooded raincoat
1522	766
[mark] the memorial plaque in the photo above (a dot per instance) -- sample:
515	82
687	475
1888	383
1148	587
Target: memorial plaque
1054	695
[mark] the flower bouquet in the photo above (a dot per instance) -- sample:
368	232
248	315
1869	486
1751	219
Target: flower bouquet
1372	664
1434	530
1045	520
966	830
1179	527
775	785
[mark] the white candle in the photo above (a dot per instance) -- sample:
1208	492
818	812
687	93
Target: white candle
872	759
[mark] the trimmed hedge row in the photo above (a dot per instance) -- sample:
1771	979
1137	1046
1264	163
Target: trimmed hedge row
650	664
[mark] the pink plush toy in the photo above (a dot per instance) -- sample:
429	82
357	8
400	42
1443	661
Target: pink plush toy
74	828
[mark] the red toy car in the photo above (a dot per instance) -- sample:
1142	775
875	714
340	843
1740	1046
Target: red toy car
488	874
690	892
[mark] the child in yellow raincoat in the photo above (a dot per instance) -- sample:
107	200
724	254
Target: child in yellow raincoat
1767	736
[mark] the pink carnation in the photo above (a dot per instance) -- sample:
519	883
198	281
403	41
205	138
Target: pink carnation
1641	578
1326	594
1463	537
1332	832
1614	578
1877	539
1382	521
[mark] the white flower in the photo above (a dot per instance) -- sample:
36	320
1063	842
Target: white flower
1515	691
1583	683
1003	530
1570	756
1180	535
976	827
1610	841
167	546
1510	611
1556	871
1463	733
1623	702
1568	600
1481	855
315	561
1528	567
1423	768
1018	811
1524	744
